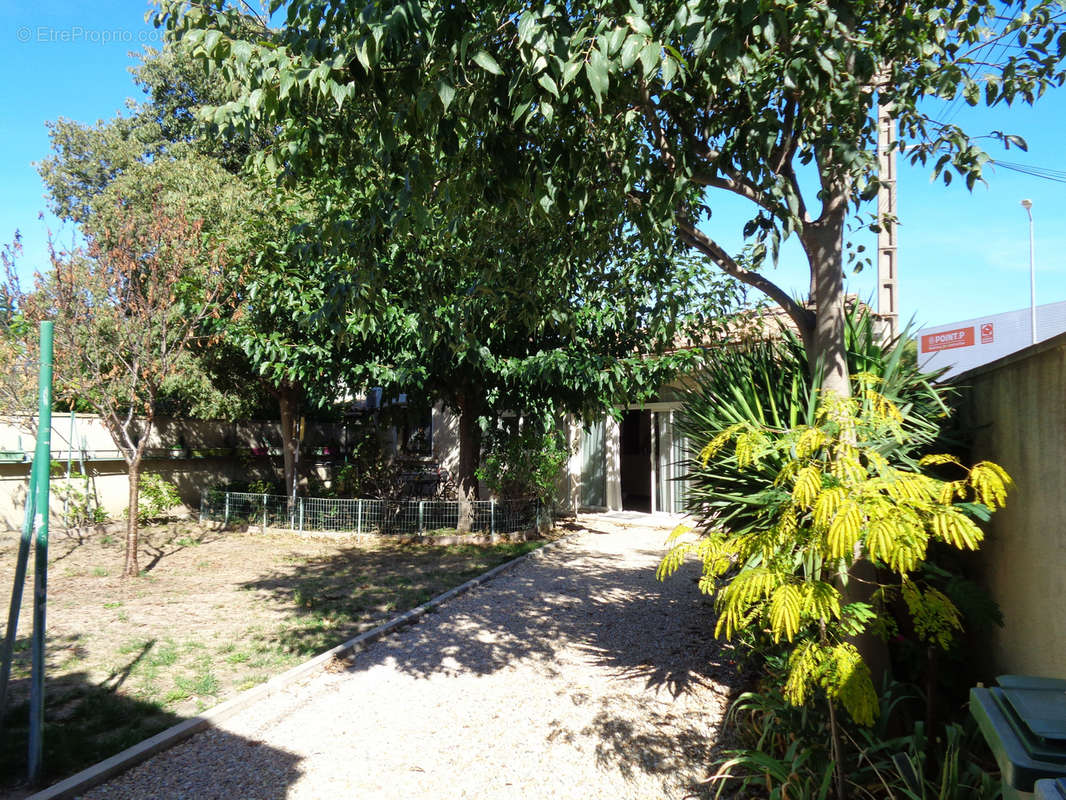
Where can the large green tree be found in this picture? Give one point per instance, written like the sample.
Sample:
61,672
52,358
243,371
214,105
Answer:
484,307
485,321
573,107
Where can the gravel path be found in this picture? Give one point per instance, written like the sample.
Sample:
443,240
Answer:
574,675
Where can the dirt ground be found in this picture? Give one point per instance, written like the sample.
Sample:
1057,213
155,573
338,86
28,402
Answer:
213,613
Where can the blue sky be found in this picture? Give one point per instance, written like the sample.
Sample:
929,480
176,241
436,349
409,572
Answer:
962,254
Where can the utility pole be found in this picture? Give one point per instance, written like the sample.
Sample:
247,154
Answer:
887,307
1028,206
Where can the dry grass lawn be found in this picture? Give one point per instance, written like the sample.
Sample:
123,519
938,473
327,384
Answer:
214,612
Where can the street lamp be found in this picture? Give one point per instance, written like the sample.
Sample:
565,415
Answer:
1027,204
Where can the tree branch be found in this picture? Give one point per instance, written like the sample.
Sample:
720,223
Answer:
696,239
656,127
784,166
739,187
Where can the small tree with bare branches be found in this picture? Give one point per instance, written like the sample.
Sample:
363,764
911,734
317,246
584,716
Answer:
126,307
18,366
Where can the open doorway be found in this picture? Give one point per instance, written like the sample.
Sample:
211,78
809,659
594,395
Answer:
635,444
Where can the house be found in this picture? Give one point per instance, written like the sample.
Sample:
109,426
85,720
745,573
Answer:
633,460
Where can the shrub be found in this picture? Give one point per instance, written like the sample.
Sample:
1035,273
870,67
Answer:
785,751
836,499
262,486
157,497
791,490
372,471
767,384
524,464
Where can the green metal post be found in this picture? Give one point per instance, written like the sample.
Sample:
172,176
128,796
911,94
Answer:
492,517
40,525
421,516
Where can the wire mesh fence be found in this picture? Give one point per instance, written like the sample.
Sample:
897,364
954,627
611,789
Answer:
328,514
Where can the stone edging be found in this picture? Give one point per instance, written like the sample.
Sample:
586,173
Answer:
120,762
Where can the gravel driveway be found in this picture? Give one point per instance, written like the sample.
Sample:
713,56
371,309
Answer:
574,675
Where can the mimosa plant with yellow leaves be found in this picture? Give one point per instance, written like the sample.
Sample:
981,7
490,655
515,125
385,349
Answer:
835,498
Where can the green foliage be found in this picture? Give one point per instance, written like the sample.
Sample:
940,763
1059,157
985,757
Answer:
524,464
371,471
196,391
158,497
485,311
834,498
767,383
641,113
784,752
672,94
263,487
158,156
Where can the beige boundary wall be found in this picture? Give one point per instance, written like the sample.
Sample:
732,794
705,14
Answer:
193,454
1016,409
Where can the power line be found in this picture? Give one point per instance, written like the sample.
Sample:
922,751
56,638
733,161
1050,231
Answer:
1045,173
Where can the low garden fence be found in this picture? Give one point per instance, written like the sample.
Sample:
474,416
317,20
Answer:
342,515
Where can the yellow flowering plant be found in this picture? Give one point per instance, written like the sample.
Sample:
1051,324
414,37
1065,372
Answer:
835,499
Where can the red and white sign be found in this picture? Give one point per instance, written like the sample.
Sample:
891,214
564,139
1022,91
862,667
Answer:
948,340
987,333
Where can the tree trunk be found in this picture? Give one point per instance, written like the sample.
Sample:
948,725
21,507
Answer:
132,568
826,354
469,460
289,406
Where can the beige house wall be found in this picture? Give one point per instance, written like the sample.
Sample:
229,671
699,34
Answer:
445,436
1016,407
242,451
108,484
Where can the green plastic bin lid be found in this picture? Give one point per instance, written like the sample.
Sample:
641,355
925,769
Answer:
1023,757
1030,682
1038,702
1050,789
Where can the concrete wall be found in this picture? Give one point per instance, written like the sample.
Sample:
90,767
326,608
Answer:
193,454
87,436
108,485
1016,408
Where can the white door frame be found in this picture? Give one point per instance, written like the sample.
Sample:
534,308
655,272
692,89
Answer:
614,449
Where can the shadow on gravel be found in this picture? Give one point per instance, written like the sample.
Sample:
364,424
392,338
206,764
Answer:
223,767
87,721
593,601
600,606
632,749
598,603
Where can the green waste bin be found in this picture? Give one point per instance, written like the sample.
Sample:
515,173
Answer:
1048,789
1023,719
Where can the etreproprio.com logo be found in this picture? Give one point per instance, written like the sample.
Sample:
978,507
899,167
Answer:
78,34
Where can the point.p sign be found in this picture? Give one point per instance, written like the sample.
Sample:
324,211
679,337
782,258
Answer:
988,332
948,340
